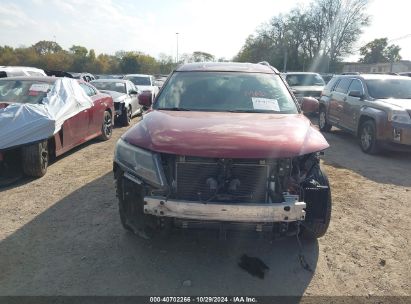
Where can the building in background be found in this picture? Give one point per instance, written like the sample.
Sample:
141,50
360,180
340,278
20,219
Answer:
383,67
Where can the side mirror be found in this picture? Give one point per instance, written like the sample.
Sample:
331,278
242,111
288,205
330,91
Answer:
356,94
145,99
132,92
309,105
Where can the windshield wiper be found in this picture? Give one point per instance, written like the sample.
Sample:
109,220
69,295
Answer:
174,109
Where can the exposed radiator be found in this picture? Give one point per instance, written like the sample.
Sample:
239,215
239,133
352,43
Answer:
192,179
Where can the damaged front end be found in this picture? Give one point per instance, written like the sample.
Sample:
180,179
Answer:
264,195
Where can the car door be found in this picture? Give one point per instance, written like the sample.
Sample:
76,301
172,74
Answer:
352,105
337,98
75,129
96,111
133,97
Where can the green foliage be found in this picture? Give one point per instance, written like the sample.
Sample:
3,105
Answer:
314,38
48,55
378,50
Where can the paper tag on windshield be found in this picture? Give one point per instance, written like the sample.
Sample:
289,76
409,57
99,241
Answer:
39,87
265,104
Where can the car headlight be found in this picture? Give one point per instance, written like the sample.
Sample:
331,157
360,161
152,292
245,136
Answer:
141,163
399,117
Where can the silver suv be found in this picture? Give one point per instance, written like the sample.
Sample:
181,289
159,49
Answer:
376,108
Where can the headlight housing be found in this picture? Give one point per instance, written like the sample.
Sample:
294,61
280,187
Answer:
399,117
140,163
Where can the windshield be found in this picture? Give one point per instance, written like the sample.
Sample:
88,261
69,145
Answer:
139,80
295,80
117,86
226,91
23,91
389,88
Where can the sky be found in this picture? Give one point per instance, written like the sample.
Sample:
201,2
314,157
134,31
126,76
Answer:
219,27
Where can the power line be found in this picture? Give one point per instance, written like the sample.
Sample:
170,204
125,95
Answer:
399,38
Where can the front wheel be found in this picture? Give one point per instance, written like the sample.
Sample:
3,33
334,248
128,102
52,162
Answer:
368,137
107,126
322,121
317,226
35,159
126,115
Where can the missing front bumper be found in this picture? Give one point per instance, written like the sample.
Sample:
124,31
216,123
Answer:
249,213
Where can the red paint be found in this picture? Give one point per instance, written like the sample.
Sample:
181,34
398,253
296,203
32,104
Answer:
84,126
226,135
3,105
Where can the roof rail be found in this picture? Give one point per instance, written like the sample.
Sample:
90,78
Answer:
265,63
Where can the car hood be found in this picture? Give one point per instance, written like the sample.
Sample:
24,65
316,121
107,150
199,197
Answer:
397,103
307,88
226,135
117,96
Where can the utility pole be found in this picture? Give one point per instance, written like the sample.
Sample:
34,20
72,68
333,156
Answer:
285,61
177,48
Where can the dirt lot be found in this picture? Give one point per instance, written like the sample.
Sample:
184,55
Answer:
61,235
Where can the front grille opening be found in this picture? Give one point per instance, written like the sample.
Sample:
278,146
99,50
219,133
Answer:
238,182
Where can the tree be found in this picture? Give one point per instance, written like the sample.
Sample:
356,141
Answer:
46,47
392,53
378,50
199,56
129,63
315,38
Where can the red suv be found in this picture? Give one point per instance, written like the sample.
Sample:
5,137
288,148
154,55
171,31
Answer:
224,146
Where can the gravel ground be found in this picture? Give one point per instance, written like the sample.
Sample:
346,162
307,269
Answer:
61,235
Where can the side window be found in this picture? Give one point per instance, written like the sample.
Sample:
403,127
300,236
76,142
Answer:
356,86
331,84
131,87
89,91
343,85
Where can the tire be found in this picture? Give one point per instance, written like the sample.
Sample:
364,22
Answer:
107,126
35,159
322,121
317,229
368,137
125,118
131,208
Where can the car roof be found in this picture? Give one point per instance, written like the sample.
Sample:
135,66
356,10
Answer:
227,67
142,75
111,80
12,67
301,73
372,76
40,78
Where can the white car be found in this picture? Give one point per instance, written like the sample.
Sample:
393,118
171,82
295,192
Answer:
125,97
16,71
143,83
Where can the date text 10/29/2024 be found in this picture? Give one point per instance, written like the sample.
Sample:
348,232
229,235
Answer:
203,300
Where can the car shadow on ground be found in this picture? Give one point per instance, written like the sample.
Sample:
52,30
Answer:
388,167
78,247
